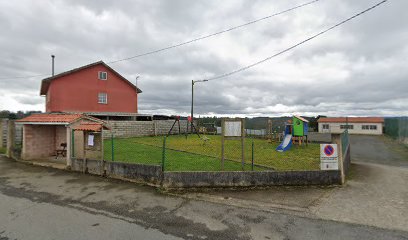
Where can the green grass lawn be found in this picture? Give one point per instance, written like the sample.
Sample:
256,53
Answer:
193,154
2,150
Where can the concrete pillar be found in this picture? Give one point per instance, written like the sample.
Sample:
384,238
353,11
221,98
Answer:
3,132
154,127
24,144
11,128
336,138
69,146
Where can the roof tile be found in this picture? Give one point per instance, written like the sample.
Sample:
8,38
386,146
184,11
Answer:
96,127
51,118
352,120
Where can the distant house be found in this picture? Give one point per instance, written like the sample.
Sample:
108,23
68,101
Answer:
94,89
355,125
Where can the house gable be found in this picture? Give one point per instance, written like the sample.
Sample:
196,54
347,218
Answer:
81,90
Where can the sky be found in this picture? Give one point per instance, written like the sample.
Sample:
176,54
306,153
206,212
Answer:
357,69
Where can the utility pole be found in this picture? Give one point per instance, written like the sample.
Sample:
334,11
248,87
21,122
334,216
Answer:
192,101
192,105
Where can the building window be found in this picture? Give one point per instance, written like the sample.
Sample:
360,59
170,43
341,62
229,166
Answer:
369,127
326,126
346,127
103,75
103,98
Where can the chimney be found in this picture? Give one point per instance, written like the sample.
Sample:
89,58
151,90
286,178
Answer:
53,57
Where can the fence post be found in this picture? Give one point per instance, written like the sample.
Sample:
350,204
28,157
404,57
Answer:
113,148
164,153
73,143
252,165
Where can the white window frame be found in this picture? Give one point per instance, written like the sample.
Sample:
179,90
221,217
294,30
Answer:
347,126
102,98
326,126
101,74
373,127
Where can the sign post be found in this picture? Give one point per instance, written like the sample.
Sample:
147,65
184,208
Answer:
329,158
233,129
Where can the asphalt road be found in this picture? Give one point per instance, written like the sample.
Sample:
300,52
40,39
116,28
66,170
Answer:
42,203
379,150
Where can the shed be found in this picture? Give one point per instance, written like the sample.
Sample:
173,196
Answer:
49,136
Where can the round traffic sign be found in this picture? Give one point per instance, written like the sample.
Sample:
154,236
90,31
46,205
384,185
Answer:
328,150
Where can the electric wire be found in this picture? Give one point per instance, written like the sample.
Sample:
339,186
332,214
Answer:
213,34
296,45
189,41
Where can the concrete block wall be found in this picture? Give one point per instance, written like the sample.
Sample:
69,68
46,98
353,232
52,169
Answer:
130,128
154,175
60,136
38,142
18,134
134,172
3,132
246,179
18,138
162,127
143,128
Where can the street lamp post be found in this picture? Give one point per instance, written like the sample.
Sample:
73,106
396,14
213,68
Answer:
192,101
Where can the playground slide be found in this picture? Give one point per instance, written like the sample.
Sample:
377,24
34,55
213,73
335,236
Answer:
286,144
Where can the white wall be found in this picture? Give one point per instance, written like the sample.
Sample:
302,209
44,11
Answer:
357,129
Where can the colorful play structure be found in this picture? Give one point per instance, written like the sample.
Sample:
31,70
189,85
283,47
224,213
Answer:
295,133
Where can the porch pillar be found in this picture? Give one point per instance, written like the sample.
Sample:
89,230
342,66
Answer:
69,146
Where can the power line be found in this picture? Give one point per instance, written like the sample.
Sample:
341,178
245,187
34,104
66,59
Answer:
31,76
186,42
213,34
296,45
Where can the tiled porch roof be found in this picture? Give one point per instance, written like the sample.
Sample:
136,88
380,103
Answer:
95,127
50,118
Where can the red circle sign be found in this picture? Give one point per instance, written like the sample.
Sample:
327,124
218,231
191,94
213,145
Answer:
328,150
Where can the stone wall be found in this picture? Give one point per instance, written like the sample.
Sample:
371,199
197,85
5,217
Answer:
143,128
246,179
153,175
118,170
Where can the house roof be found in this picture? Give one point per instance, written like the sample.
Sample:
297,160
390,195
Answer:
59,119
95,127
351,120
51,118
45,83
304,120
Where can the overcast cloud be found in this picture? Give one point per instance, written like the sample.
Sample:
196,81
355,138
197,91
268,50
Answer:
358,69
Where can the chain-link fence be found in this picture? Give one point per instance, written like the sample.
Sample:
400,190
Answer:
397,128
143,150
202,152
344,141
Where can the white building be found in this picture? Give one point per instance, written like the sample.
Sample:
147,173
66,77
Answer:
355,125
